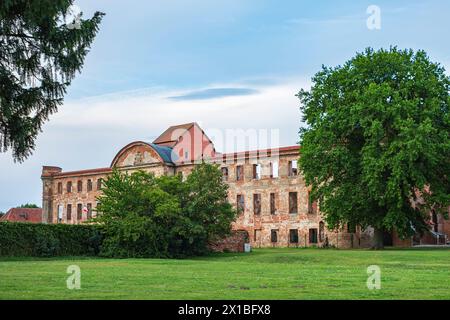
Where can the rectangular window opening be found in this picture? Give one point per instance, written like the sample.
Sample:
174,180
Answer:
293,207
240,203
293,236
239,173
293,169
79,211
273,208
313,235
224,174
274,235
256,171
89,210
274,169
312,205
257,203
69,212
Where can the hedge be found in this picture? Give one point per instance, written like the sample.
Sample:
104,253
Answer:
49,240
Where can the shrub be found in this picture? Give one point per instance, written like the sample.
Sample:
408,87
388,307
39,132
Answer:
48,240
148,216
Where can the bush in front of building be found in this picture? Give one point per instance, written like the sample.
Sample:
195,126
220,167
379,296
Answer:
164,217
49,240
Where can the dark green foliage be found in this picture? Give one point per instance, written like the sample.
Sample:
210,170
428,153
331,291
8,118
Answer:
29,205
145,216
378,130
48,240
39,57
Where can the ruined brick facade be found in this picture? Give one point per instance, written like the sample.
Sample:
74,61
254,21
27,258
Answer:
274,204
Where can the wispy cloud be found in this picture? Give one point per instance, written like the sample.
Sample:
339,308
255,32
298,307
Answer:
214,93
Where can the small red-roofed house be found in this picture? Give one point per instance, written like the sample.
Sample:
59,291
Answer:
33,215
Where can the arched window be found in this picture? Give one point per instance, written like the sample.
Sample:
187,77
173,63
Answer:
89,185
69,187
80,186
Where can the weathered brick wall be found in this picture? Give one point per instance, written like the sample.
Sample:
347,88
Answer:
184,170
141,156
74,198
444,226
233,243
259,226
397,241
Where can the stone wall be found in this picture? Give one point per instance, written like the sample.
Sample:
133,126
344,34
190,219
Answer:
266,175
233,243
293,229
306,222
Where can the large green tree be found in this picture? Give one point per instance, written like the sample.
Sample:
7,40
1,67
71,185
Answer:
39,56
377,138
148,216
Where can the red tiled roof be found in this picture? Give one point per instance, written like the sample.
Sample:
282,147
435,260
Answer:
219,156
255,153
83,172
33,215
166,137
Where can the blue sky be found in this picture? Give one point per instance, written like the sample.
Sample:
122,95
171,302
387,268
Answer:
196,43
225,64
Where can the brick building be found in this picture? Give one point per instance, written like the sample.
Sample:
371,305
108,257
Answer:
265,184
33,215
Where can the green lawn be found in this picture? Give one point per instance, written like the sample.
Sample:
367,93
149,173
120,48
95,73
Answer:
262,274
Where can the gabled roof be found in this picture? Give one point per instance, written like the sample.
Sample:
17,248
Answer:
23,215
167,138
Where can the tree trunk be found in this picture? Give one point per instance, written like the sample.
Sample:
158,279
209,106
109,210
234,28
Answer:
377,242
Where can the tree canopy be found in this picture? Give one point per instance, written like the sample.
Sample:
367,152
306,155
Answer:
376,145
148,216
29,205
39,56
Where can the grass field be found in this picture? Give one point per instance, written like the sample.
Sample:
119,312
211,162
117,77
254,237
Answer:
262,274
